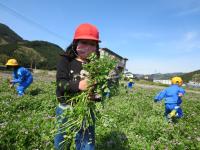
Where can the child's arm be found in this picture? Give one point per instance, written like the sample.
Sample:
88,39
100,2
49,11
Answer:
19,78
181,92
160,96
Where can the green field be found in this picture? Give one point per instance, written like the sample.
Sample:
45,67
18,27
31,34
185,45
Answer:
129,122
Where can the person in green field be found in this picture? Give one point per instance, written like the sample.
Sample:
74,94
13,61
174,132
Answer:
172,96
129,86
70,82
21,76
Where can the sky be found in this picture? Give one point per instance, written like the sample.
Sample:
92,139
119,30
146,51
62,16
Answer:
157,36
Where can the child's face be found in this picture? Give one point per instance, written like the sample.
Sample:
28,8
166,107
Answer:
85,48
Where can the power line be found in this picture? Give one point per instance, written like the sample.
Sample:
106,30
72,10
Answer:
17,14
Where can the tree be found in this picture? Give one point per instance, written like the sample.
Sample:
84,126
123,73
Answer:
28,56
3,58
196,78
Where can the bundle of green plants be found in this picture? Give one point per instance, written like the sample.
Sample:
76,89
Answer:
84,105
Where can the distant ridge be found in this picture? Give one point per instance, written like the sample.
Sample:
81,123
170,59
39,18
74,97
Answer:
188,76
39,54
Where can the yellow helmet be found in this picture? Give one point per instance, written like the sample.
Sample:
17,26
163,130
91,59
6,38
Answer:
177,80
131,80
12,62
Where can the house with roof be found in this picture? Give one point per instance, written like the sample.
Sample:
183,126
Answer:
107,52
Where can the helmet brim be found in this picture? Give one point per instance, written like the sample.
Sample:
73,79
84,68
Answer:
87,38
11,65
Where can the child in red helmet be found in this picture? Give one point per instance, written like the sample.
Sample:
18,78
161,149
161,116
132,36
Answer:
69,81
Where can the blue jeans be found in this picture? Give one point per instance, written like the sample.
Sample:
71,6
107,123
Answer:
83,140
170,107
22,86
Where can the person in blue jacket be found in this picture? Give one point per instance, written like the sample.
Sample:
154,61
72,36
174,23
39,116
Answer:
21,75
129,86
172,96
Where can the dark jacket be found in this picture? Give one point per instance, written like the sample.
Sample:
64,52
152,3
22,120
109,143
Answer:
67,78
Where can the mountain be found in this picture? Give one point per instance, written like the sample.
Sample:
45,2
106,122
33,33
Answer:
7,35
165,76
188,76
31,54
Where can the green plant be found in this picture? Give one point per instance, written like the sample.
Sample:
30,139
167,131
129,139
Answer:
129,121
84,103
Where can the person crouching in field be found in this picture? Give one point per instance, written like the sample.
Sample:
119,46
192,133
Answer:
70,82
130,86
172,96
21,75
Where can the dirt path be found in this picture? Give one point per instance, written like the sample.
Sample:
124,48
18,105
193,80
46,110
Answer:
160,87
47,77
5,75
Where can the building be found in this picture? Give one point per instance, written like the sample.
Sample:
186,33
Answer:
193,84
162,81
107,52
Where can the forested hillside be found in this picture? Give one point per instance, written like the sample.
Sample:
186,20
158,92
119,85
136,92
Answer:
31,54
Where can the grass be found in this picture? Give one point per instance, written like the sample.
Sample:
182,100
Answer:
130,121
140,123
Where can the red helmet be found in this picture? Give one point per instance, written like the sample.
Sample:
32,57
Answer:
86,31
